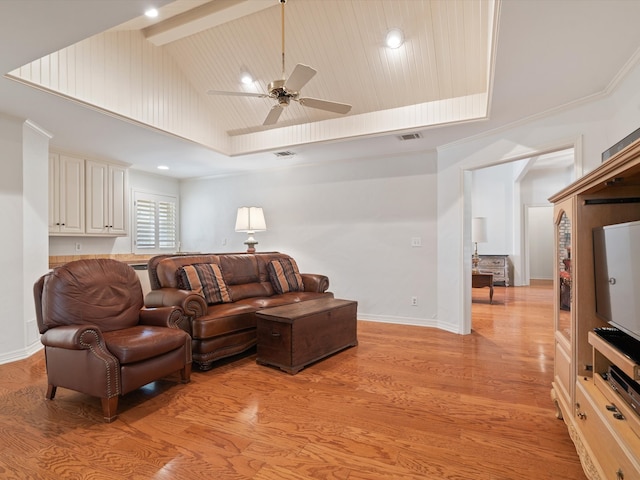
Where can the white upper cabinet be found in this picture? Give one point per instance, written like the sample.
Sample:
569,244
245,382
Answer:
87,197
106,193
66,195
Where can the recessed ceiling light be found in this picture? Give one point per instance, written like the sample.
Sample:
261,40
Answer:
246,78
151,13
394,38
163,167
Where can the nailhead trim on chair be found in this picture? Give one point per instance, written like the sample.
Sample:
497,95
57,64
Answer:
105,357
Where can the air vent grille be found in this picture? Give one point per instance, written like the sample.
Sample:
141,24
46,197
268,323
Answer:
410,136
285,153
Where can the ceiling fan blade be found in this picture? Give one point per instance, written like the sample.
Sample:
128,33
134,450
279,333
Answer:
325,105
273,115
237,94
299,77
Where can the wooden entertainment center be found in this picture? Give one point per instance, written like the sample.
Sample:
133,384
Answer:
604,428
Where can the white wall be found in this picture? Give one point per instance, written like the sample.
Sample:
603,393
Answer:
23,214
352,221
492,198
138,180
539,220
594,126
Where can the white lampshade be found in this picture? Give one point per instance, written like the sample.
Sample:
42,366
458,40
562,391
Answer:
250,219
479,230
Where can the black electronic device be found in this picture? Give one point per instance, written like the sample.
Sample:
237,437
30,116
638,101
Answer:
625,344
626,387
625,142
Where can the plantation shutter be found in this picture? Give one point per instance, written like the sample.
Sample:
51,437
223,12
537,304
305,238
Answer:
166,224
145,224
156,222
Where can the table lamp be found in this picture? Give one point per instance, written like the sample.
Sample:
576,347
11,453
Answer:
250,220
478,235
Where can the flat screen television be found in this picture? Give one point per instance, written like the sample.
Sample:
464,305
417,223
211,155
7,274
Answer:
616,252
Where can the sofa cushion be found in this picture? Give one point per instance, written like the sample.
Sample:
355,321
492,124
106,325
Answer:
284,275
223,319
204,279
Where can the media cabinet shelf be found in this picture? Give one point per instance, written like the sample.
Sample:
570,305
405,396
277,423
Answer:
615,357
609,447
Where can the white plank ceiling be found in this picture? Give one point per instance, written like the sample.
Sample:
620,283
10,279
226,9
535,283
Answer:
443,68
528,57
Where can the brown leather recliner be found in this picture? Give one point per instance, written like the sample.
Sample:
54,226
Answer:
99,339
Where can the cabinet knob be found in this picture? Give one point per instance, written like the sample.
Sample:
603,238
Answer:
619,474
581,415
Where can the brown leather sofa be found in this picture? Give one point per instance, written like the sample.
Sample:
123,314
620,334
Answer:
227,325
98,338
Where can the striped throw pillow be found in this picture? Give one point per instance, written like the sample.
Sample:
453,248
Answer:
284,275
204,279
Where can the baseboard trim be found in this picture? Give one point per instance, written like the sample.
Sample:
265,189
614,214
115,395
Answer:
20,354
416,322
540,282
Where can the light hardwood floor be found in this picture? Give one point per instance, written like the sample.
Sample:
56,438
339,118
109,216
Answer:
407,403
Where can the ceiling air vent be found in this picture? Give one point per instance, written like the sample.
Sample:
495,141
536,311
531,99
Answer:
285,153
410,136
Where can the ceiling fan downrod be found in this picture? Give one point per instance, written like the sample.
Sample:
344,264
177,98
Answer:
282,2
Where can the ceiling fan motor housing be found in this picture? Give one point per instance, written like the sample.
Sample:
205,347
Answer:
278,91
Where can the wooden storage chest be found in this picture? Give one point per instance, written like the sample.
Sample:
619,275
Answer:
291,337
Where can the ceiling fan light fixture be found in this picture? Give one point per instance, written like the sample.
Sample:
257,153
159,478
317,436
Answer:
394,38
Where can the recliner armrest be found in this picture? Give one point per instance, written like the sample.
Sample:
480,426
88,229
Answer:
171,317
72,337
193,304
314,282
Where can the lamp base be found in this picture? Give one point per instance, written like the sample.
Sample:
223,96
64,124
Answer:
475,260
251,243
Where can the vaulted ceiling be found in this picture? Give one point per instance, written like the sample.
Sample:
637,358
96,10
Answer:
466,67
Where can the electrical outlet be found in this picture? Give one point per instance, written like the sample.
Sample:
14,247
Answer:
78,246
414,301
416,241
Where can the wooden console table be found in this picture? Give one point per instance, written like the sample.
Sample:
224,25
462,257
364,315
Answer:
480,280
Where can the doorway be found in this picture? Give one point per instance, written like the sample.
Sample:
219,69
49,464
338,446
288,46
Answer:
538,249
513,197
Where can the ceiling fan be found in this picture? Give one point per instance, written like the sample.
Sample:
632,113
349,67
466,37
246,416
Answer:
288,89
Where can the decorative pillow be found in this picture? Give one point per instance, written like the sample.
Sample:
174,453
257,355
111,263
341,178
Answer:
284,275
204,279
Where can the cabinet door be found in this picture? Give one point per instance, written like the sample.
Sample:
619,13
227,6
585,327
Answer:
71,195
117,202
97,197
106,199
54,193
564,366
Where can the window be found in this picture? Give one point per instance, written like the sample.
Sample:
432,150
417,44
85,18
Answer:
156,223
